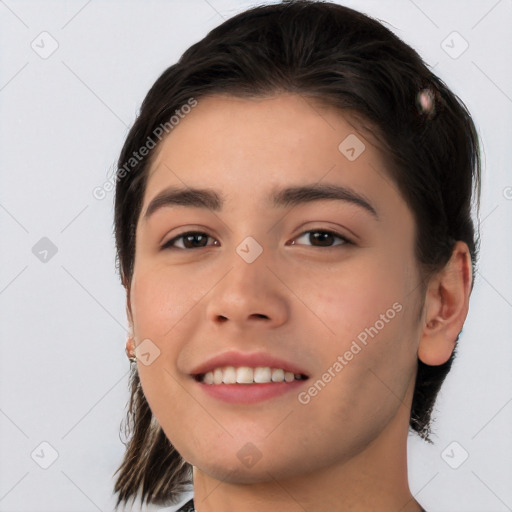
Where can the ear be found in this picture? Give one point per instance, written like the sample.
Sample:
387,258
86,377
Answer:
130,342
446,307
129,315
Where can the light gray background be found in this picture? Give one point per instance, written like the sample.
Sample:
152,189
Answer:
62,322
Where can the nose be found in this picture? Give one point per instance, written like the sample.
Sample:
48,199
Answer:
249,296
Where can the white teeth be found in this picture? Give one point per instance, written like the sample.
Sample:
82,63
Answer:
229,375
262,375
247,375
277,375
244,375
217,376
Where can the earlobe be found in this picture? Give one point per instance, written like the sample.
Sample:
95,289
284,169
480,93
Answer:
446,307
130,349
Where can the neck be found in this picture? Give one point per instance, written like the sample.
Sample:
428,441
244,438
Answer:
374,480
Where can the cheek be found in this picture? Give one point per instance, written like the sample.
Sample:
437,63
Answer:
351,300
369,312
160,304
158,311
161,298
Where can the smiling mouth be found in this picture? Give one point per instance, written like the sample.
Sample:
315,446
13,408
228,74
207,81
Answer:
247,375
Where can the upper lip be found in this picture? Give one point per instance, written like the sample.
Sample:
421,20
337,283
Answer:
252,360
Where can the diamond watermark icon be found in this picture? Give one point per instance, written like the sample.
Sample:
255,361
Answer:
249,249
454,455
44,250
351,147
45,45
454,45
249,455
44,455
146,352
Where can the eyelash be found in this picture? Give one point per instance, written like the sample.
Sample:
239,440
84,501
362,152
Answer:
169,244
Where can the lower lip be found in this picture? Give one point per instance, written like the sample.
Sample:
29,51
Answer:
249,393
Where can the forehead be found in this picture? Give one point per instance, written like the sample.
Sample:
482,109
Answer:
251,147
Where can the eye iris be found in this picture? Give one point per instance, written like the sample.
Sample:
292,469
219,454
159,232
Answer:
194,236
323,237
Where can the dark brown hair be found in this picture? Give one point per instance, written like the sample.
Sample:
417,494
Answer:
345,60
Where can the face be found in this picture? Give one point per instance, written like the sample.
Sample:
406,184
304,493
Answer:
316,288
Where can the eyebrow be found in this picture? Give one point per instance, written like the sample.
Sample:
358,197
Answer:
282,198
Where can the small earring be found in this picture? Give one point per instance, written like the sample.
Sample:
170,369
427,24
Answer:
129,350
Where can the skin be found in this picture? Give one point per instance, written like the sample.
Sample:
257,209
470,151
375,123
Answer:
345,450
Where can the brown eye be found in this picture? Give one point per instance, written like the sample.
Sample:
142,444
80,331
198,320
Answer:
323,238
189,240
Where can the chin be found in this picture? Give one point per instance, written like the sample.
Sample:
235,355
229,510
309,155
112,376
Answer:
239,475
230,467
